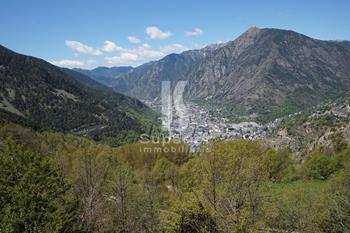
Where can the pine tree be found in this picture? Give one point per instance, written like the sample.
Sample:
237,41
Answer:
33,194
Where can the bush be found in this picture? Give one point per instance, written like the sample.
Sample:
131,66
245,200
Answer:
320,166
192,217
278,164
335,207
338,142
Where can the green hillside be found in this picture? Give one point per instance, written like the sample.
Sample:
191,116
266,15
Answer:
37,94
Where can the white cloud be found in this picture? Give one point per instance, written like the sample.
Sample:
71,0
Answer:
133,56
145,45
134,39
79,47
122,59
118,55
195,32
173,48
110,46
155,33
144,53
147,53
72,63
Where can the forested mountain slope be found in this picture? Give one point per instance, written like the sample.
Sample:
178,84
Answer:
40,95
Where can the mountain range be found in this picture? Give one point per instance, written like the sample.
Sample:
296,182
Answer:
105,75
264,72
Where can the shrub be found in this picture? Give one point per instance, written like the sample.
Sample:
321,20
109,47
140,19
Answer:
320,166
278,164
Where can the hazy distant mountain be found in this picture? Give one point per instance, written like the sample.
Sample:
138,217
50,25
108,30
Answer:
267,71
344,43
35,93
145,81
105,75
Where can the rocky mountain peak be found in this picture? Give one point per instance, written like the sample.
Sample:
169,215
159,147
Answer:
250,34
252,30
245,40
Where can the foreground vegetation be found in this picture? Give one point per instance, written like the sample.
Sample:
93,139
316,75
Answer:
54,182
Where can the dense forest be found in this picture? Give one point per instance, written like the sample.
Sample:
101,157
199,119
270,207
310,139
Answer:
39,95
55,182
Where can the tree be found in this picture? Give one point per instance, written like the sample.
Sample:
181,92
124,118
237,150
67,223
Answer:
90,173
232,177
33,195
335,206
292,207
193,218
320,166
132,207
338,142
278,164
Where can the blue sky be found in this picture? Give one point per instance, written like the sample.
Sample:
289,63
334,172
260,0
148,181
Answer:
87,34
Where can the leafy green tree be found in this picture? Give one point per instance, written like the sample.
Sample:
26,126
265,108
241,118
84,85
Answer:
278,164
338,142
130,205
194,218
33,194
335,206
188,215
342,158
232,177
89,175
291,207
320,166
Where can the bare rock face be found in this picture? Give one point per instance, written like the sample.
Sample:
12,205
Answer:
269,72
267,68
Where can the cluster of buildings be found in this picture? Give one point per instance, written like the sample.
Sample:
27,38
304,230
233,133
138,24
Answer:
197,126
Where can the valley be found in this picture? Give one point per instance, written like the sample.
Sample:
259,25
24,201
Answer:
184,118
198,126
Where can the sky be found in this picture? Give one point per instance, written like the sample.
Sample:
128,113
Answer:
87,34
